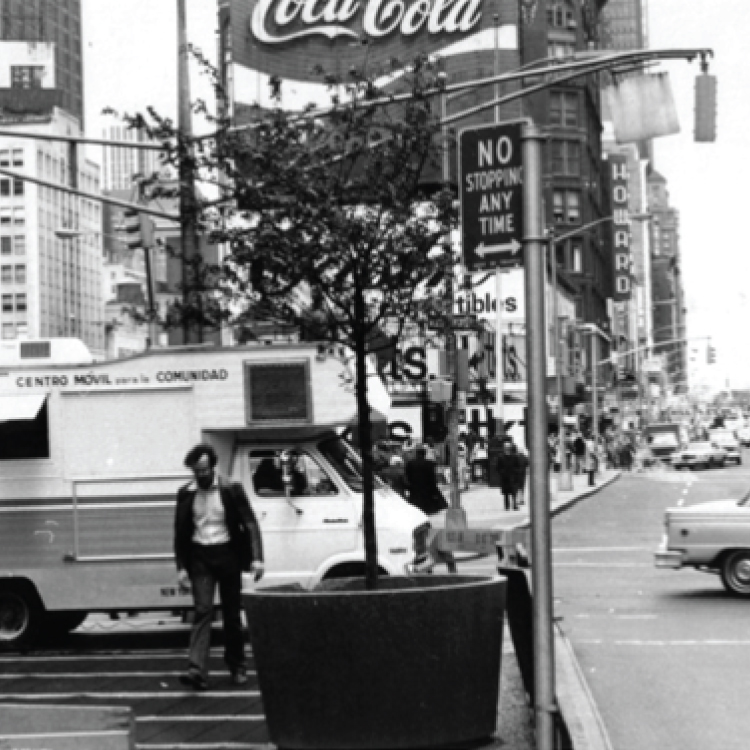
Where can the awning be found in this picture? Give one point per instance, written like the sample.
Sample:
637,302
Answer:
23,407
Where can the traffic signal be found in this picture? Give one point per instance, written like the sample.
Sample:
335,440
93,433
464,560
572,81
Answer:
711,355
705,108
434,422
139,229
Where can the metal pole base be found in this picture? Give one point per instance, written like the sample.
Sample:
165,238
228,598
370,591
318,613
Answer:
564,481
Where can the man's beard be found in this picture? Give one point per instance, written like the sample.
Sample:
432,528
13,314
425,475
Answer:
205,482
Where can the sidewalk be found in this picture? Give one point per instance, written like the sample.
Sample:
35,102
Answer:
515,724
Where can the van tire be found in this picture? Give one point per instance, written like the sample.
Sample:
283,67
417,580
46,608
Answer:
64,621
21,615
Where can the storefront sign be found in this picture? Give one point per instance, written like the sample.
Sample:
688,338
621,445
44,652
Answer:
621,228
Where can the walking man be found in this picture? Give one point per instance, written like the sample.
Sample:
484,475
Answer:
421,481
216,538
507,469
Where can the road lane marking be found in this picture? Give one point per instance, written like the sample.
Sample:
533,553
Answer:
602,565
203,746
601,549
711,643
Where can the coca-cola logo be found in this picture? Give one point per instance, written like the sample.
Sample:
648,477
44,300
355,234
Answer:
280,21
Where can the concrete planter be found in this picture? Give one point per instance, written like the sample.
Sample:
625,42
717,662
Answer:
415,664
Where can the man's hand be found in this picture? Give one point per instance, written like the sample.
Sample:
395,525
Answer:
257,569
183,581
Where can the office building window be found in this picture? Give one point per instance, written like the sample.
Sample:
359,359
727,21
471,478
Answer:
6,244
9,330
557,49
7,303
6,274
566,157
563,109
4,188
26,76
20,275
17,157
19,244
6,215
19,216
18,188
566,206
4,158
577,257
20,303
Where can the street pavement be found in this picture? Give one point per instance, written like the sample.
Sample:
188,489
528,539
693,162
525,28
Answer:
515,725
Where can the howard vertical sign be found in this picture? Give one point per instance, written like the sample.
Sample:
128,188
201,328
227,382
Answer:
491,193
621,228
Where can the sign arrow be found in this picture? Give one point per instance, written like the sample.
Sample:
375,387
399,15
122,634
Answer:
511,247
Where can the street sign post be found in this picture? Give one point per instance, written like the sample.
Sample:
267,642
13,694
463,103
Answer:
491,195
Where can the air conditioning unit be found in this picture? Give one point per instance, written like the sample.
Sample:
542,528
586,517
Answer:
572,23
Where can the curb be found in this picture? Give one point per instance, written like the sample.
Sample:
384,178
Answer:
576,704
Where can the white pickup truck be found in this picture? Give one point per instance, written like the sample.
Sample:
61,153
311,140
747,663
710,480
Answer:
713,537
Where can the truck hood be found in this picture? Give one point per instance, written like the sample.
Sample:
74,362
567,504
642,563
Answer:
391,508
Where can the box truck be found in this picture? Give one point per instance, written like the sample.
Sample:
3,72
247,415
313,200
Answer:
92,456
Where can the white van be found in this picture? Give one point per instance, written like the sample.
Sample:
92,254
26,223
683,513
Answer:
91,457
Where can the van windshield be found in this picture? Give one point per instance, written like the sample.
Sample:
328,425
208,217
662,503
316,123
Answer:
346,461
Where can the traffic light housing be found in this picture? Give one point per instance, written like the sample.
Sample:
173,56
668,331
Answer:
434,422
711,355
705,108
138,228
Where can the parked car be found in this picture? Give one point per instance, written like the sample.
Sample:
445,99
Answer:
727,439
703,455
713,537
743,435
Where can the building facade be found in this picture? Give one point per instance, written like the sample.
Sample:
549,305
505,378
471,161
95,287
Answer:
122,166
55,22
50,242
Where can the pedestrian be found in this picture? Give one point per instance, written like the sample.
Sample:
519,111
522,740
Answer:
523,465
216,538
579,452
421,483
591,460
627,454
507,470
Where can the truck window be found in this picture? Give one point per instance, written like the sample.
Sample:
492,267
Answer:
24,427
345,460
308,476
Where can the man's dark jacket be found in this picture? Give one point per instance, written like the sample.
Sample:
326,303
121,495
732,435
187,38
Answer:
244,532
421,482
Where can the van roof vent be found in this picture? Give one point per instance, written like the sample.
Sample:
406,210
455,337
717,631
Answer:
35,350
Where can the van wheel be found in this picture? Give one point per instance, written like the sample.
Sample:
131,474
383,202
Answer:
20,616
64,621
735,572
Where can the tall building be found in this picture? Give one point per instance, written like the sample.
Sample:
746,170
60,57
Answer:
50,242
121,165
56,22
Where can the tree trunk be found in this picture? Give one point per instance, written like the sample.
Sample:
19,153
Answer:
365,442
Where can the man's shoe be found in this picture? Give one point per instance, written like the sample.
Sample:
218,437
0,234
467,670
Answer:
193,680
239,678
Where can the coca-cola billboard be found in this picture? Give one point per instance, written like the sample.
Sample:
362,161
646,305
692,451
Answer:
289,38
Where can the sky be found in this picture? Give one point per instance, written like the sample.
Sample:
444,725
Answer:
130,59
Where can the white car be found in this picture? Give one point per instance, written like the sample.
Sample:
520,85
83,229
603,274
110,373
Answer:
727,440
743,435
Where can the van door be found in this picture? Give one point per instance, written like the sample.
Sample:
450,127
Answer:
317,520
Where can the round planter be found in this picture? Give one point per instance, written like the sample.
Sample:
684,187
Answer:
415,664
